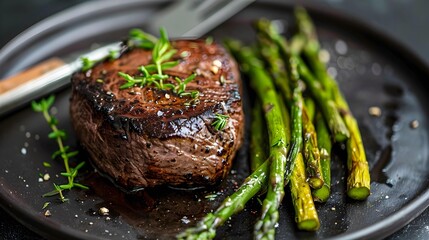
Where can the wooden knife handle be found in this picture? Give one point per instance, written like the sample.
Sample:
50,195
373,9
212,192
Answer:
38,70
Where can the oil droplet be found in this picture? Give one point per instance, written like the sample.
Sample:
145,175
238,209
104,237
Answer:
376,69
341,47
333,72
324,55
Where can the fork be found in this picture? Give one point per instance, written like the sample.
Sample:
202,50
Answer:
185,18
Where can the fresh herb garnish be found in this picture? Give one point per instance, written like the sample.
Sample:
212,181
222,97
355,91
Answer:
211,197
220,121
152,74
113,54
180,89
87,63
138,38
58,135
46,204
46,164
209,40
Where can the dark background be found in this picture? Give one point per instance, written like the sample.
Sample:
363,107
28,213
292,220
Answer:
405,20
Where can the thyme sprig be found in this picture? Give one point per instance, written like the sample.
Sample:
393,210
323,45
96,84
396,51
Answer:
220,121
87,63
152,74
140,39
180,89
161,53
64,152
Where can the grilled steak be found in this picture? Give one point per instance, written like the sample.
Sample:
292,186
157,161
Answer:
143,136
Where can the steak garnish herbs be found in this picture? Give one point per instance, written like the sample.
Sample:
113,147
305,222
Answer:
152,74
220,121
64,152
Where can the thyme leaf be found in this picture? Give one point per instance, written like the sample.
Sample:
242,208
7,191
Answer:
87,63
220,121
140,39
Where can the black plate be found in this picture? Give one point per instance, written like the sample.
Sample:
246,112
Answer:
374,71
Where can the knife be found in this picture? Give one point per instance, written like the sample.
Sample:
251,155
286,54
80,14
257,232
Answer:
185,18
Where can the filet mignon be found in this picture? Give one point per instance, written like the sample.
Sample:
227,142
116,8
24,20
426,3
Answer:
144,137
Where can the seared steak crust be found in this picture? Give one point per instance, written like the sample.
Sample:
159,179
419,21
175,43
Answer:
144,137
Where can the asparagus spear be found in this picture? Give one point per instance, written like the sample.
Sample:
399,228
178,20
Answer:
358,181
301,124
311,150
311,154
276,66
325,146
262,84
324,143
271,54
305,211
306,215
312,46
327,105
310,105
257,137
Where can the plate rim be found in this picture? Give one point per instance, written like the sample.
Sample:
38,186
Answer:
384,228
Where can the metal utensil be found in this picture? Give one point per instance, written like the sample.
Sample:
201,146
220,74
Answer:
186,18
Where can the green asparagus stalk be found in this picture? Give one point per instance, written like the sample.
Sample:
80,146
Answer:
328,107
300,125
276,66
310,105
305,212
325,146
335,122
311,150
258,153
358,181
312,46
262,84
206,228
306,215
311,153
271,54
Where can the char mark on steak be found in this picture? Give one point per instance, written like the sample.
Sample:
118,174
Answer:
143,136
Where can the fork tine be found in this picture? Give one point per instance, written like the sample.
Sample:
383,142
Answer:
193,19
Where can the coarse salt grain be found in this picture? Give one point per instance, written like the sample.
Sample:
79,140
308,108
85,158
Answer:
414,124
374,111
47,213
46,177
103,211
